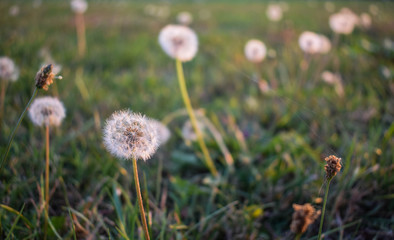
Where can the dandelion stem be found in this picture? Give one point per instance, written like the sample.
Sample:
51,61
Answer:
323,210
186,100
11,137
80,25
141,206
46,179
4,84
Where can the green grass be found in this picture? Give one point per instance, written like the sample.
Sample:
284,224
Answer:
287,132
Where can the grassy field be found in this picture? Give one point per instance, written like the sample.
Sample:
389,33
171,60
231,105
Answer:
278,139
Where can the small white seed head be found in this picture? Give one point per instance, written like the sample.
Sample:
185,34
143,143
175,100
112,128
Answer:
179,42
163,133
274,12
129,135
310,42
47,111
8,70
79,6
255,50
184,18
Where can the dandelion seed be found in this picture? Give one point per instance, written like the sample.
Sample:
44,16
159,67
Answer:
163,133
274,12
303,216
179,42
332,167
47,111
79,6
129,135
255,50
8,70
184,18
342,23
325,44
365,20
44,77
310,42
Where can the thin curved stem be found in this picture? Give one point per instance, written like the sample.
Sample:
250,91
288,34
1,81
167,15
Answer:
12,135
324,209
186,100
46,180
141,206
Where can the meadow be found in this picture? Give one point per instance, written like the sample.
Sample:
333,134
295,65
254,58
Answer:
278,139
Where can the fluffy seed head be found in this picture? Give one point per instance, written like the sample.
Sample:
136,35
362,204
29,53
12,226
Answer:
179,42
129,135
310,42
325,44
365,20
274,12
163,133
332,167
79,6
184,18
343,22
188,132
8,70
255,50
303,216
47,111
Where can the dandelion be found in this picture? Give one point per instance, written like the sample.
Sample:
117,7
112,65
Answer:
184,18
274,12
335,80
188,133
129,135
332,167
43,79
181,43
255,50
47,111
325,44
310,42
163,133
8,70
365,20
342,23
79,7
303,216
14,10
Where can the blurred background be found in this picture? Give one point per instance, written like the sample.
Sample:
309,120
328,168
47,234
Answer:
110,59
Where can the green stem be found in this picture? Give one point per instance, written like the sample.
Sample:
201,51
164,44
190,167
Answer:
186,100
324,209
11,137
140,203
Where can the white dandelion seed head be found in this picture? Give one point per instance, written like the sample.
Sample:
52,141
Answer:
330,77
14,10
163,133
365,20
47,111
343,22
310,42
184,18
179,42
274,12
188,132
129,135
325,44
8,70
79,6
255,50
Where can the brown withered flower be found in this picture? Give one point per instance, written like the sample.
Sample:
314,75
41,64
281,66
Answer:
303,216
45,76
332,167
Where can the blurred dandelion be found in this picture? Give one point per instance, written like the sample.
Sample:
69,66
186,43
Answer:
163,133
184,18
47,111
129,135
365,20
274,12
335,80
181,43
255,50
14,10
310,42
303,216
332,167
9,72
325,44
342,23
79,7
189,134
43,79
